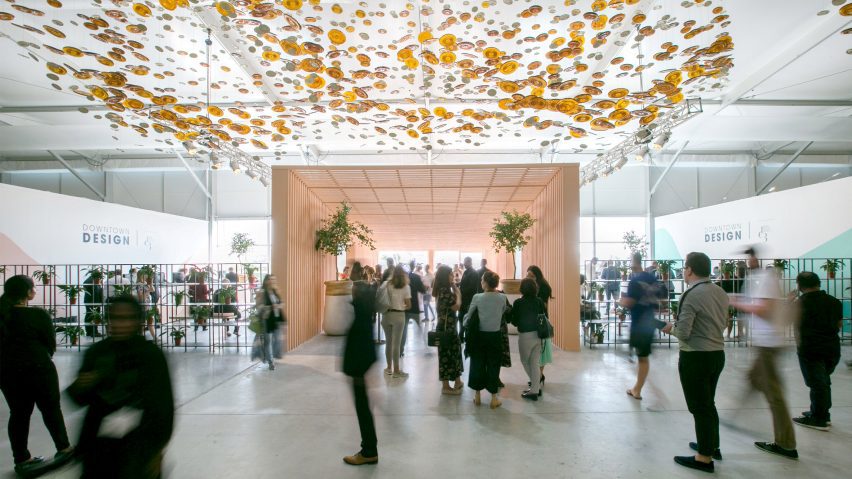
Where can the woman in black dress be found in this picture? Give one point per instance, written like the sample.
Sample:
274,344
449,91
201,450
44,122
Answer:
359,354
27,374
448,299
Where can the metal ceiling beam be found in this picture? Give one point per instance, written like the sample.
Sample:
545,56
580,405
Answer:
668,168
406,104
77,175
200,184
787,164
813,33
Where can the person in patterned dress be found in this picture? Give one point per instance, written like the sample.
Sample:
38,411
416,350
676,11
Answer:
448,300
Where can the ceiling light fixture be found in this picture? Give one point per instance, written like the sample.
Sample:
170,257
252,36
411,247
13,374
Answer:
190,147
215,162
235,165
661,140
636,145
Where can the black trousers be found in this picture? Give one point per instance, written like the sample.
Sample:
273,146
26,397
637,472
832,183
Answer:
699,374
817,373
365,418
24,391
485,358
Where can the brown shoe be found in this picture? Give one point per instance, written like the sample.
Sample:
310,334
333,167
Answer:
360,460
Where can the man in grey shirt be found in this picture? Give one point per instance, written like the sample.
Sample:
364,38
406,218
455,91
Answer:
702,316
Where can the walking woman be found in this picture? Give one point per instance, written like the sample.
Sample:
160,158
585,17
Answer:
393,321
525,312
27,374
448,297
428,279
359,354
486,338
545,294
270,310
144,289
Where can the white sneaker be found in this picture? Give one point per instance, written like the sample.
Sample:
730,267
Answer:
400,374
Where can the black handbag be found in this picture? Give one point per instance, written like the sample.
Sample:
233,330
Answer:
545,329
436,339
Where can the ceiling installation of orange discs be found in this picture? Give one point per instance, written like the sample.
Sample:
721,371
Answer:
387,75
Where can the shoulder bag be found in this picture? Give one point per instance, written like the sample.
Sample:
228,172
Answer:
382,299
545,329
437,339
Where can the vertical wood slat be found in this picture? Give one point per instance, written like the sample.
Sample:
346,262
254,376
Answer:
296,215
554,248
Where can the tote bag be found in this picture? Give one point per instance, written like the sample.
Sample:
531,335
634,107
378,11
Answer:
382,299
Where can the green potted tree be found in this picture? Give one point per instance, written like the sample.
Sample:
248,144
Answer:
635,243
44,275
509,235
250,270
241,243
72,291
664,266
831,266
338,233
73,333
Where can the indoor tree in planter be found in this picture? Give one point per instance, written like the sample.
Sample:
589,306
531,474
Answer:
635,243
509,234
240,244
45,274
831,266
338,233
71,292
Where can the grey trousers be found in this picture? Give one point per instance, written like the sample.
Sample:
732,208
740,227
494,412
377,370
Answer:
529,348
393,323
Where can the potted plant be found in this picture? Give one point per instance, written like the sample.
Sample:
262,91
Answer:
95,316
71,292
635,243
599,336
831,266
45,274
122,289
336,234
97,274
149,271
240,244
250,270
665,268
728,268
201,313
780,264
228,294
73,333
177,335
179,296
509,234
624,270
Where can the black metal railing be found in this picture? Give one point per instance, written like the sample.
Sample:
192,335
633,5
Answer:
605,323
193,306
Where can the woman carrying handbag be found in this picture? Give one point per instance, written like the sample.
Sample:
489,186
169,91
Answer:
450,364
527,312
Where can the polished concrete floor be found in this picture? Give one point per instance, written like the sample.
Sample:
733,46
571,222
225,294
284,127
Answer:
236,418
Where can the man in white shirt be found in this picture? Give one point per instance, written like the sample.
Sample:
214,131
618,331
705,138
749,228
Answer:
763,301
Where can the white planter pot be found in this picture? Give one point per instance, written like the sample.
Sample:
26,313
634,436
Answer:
339,313
512,290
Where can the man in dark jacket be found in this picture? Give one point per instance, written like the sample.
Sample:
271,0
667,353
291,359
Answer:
125,382
469,285
415,283
359,354
818,347
481,271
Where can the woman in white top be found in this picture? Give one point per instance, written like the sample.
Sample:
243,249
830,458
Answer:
393,321
428,279
143,295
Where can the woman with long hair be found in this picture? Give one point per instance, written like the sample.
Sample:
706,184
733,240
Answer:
359,354
27,374
448,298
270,310
393,321
525,313
545,294
486,338
144,288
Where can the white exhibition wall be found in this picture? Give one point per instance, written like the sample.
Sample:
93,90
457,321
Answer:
38,227
808,222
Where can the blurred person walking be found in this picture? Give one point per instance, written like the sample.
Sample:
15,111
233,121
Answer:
428,278
359,354
28,376
484,333
469,285
762,300
612,285
450,363
641,298
125,383
270,310
820,317
698,326
415,284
